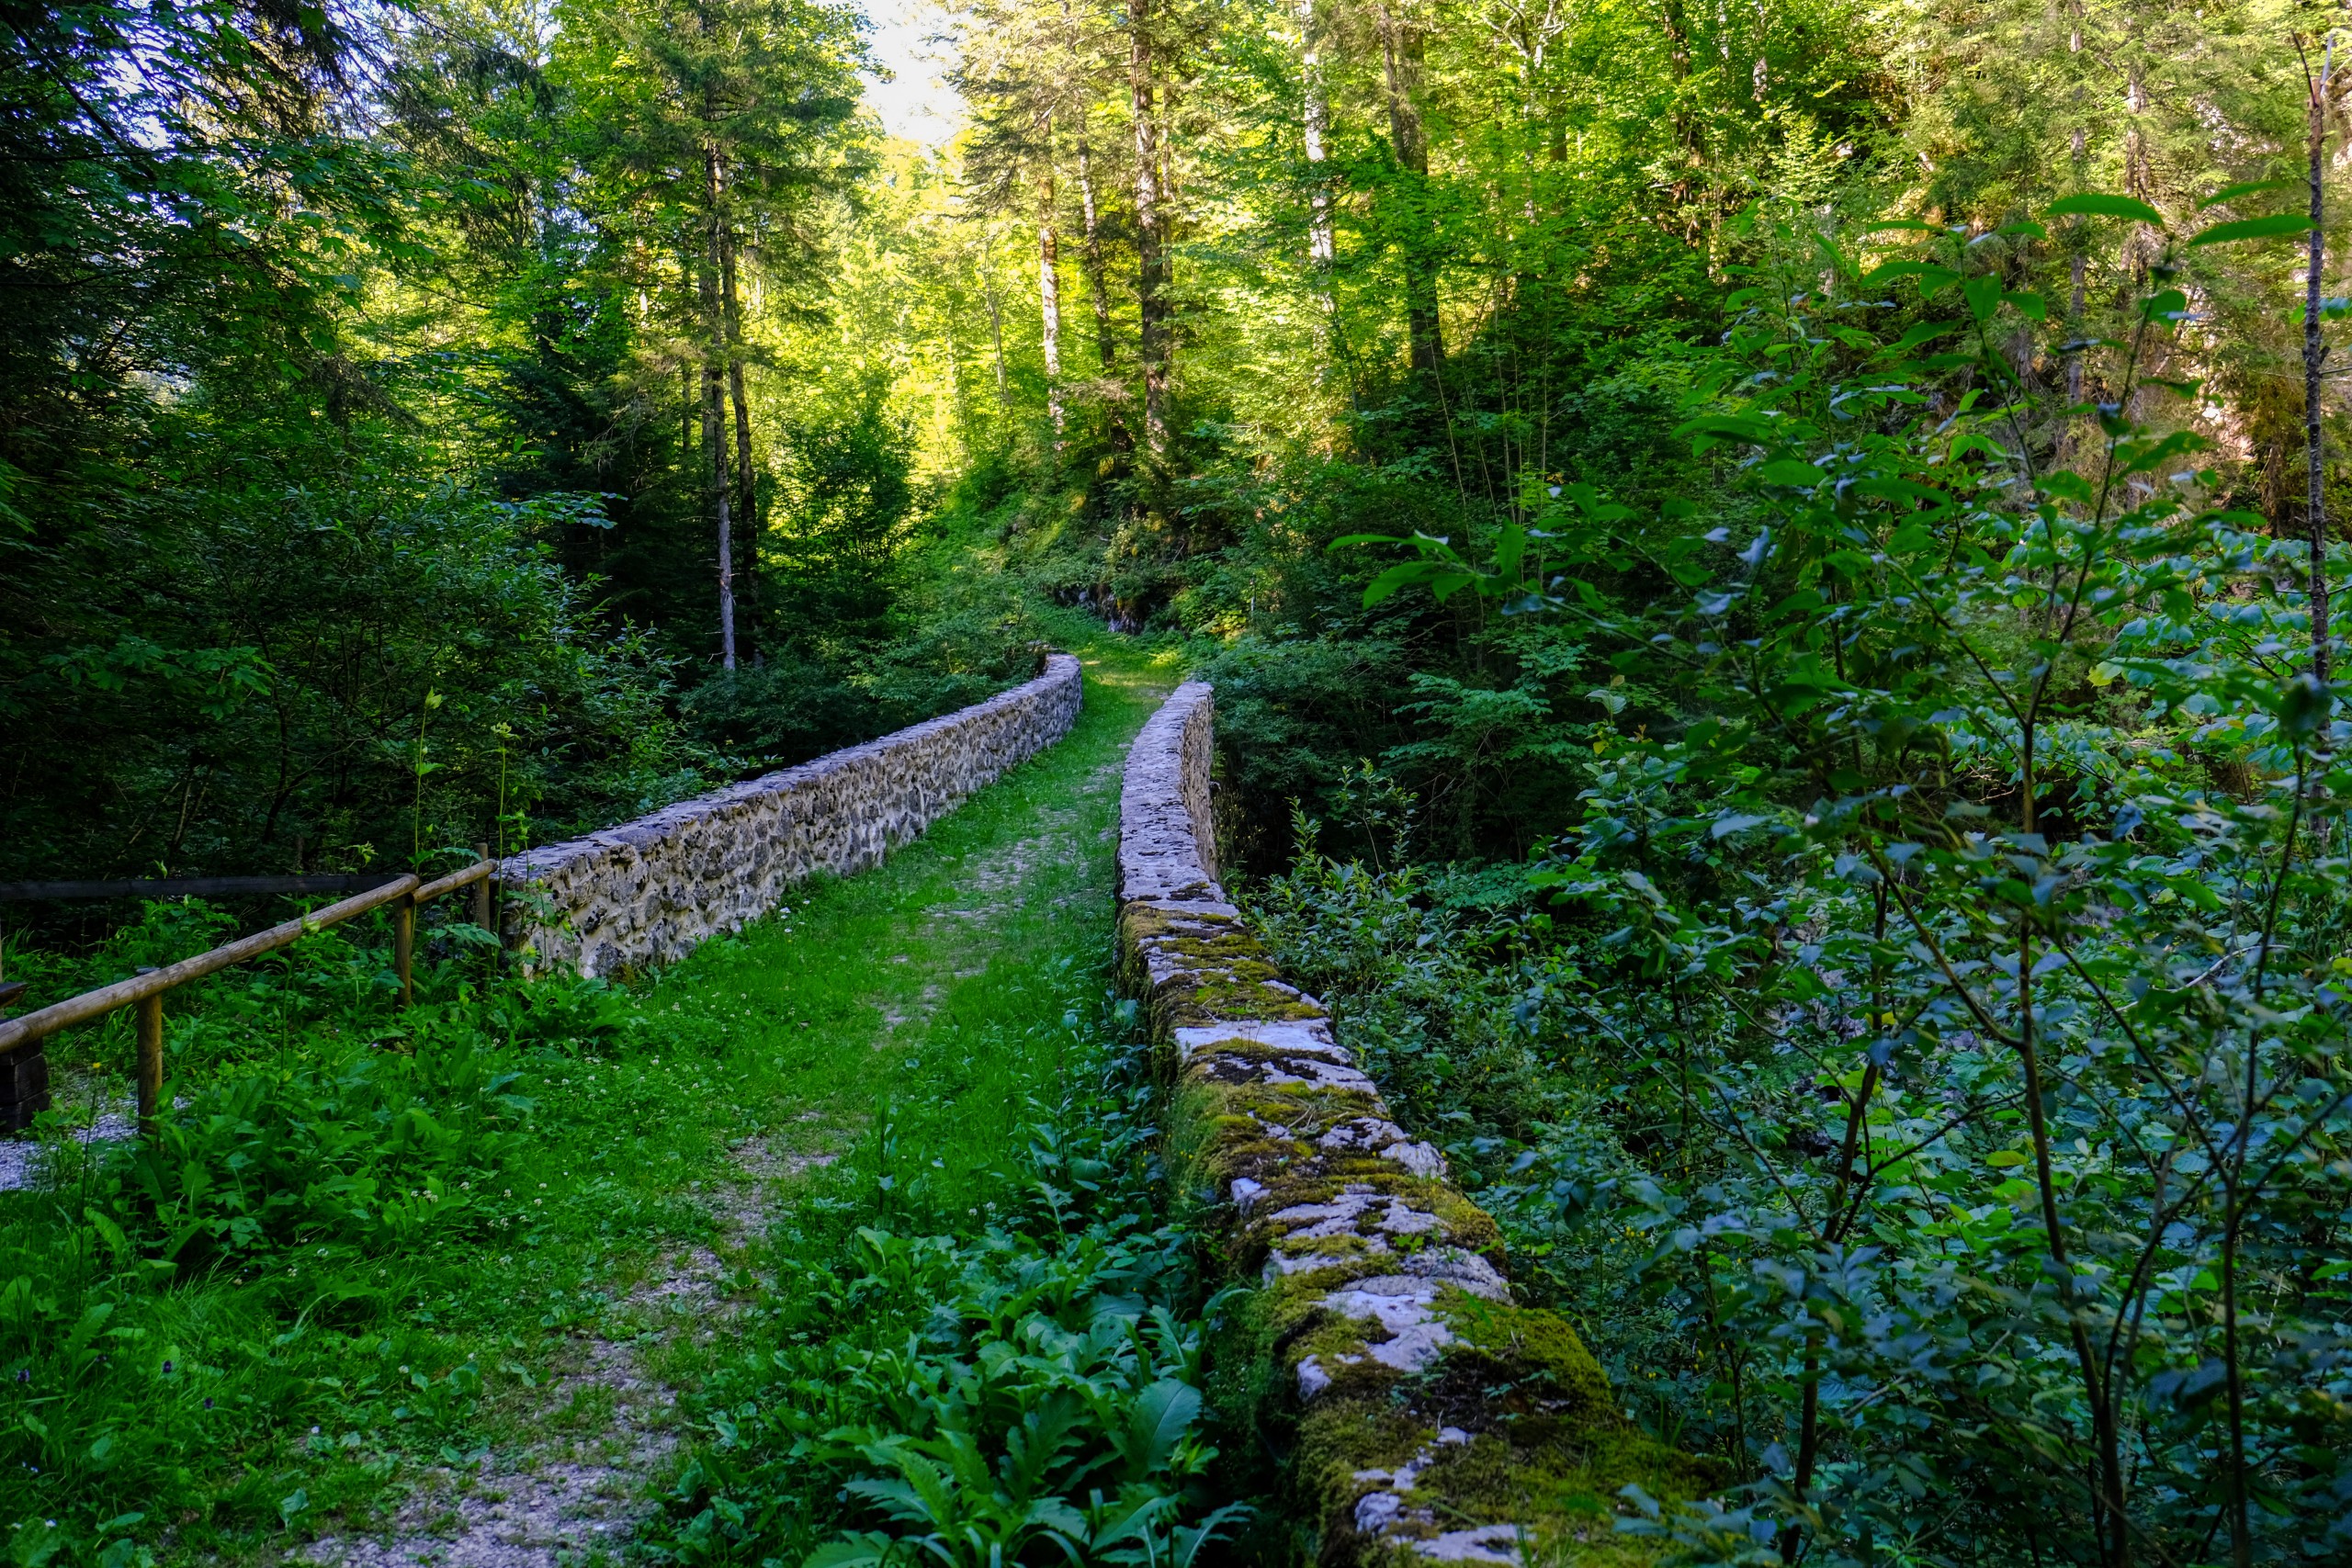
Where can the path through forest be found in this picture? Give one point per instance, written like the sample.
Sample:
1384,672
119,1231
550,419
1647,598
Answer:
864,1001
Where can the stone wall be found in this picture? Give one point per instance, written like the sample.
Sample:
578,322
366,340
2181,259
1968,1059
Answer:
646,891
1428,1415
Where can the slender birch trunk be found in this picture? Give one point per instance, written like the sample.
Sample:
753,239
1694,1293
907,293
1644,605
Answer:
1049,290
996,335
1316,114
1092,252
714,419
2314,359
746,488
1677,55
1151,291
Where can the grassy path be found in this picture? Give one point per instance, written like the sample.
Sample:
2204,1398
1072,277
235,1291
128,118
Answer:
895,1028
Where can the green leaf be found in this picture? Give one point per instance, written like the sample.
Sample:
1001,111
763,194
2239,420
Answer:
2003,1159
1932,278
1984,295
1444,585
2028,304
2269,227
2249,188
1730,427
867,1549
2303,706
2095,204
1902,490
1789,471
1917,334
1163,1414
1347,539
1509,549
1402,575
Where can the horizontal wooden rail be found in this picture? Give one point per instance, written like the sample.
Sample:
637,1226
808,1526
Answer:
20,1037
48,1021
194,886
477,872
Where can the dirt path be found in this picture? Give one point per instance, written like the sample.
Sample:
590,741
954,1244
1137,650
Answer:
825,999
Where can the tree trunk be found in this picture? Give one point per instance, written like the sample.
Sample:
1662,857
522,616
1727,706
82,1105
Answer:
714,418
1678,57
1401,46
996,336
1151,266
1318,116
2314,358
1092,254
747,514
2141,243
1050,292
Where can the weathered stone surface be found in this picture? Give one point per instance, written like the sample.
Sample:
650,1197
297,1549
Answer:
646,891
1381,1285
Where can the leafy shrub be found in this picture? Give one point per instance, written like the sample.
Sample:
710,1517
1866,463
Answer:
1940,1097
1413,983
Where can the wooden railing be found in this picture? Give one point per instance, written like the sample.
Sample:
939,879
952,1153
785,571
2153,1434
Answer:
21,1038
194,886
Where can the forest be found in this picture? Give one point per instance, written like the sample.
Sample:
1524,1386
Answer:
1767,573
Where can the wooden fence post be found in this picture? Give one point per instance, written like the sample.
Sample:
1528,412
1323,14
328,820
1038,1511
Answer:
483,915
404,945
149,1014
23,1073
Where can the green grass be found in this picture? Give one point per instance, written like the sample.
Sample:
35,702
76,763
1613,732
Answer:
583,1232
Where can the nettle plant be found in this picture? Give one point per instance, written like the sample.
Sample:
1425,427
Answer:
1975,920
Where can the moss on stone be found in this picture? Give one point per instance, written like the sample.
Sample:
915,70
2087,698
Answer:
1546,1448
1235,994
1340,1251
1232,948
1337,1436
1563,1486
1307,1108
1141,923
1469,1227
1533,1354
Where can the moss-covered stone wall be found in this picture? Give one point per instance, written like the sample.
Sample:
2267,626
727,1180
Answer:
1428,1415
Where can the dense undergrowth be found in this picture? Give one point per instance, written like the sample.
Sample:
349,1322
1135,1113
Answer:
263,1317
1919,1062
1001,1366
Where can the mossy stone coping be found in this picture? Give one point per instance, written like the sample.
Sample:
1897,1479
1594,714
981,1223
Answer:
1428,1416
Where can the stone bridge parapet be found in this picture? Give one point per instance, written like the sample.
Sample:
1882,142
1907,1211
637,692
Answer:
646,891
1428,1416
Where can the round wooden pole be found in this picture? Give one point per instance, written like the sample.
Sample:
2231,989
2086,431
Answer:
404,946
149,1014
